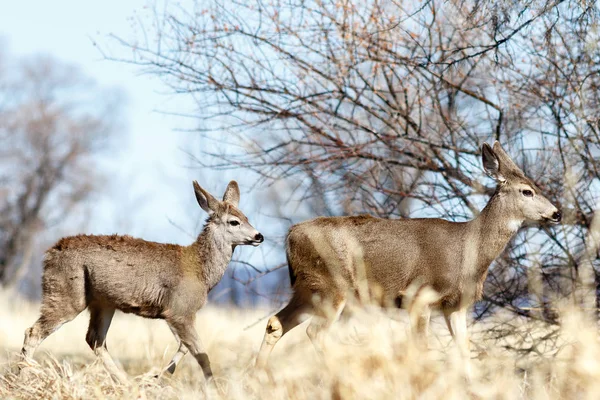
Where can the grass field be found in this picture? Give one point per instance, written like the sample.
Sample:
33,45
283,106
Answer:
367,356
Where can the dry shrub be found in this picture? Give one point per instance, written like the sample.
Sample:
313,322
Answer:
368,354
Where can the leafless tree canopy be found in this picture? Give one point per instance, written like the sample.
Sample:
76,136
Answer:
381,107
52,122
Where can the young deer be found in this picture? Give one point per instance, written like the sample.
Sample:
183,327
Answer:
450,257
152,280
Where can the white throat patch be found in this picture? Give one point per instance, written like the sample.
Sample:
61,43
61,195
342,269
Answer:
514,225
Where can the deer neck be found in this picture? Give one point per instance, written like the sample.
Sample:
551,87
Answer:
215,253
490,232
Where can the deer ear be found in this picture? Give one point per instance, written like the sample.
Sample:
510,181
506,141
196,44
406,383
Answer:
491,163
232,194
205,199
506,163
498,148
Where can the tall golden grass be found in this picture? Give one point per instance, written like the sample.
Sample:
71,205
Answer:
368,355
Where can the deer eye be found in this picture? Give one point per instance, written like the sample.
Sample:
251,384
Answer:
527,193
234,222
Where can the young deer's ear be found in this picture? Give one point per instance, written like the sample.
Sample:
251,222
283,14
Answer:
232,194
499,150
205,199
491,163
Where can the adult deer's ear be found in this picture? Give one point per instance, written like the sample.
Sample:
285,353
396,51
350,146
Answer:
491,163
232,194
507,165
205,199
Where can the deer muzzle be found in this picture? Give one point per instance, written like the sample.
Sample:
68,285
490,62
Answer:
555,218
258,239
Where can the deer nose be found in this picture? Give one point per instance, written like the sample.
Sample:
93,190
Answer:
557,216
259,238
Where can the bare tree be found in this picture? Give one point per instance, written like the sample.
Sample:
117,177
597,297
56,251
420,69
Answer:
53,120
381,106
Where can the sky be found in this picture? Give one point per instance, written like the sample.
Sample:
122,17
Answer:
149,181
148,191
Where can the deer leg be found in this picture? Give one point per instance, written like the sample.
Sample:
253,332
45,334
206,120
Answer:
54,313
447,314
458,321
63,299
281,323
181,351
320,324
424,322
39,331
420,327
100,319
186,332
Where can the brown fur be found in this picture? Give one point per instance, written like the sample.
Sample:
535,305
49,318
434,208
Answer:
330,258
108,242
149,279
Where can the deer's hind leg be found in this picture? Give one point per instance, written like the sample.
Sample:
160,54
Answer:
285,320
327,313
100,319
63,299
47,323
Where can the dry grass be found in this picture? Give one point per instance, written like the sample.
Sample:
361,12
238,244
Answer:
368,355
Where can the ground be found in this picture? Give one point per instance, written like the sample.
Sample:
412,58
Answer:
367,356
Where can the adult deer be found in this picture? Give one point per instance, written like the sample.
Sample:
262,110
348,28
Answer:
152,280
450,257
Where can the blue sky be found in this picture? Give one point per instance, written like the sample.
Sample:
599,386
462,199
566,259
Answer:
149,182
148,192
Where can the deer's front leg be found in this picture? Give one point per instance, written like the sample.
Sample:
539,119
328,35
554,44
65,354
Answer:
181,351
419,324
184,329
458,321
